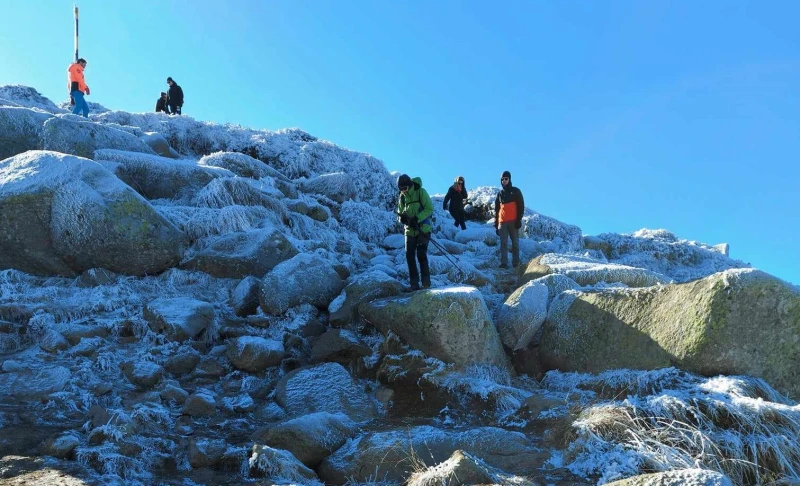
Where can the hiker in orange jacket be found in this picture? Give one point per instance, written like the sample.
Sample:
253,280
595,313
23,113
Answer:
77,87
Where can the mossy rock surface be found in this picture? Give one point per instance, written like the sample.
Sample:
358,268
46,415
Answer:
452,324
733,322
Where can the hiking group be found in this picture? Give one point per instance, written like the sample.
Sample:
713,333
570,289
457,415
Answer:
170,102
415,211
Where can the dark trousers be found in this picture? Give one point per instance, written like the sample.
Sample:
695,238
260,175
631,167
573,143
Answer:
506,230
459,217
417,247
174,109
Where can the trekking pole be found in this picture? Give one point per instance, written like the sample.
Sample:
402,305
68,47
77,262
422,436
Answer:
451,258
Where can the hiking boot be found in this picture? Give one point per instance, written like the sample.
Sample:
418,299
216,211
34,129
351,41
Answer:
504,265
412,288
426,285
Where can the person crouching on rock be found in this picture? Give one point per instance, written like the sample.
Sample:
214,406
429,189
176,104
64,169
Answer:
415,210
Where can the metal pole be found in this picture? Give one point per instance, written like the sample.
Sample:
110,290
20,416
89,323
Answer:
76,32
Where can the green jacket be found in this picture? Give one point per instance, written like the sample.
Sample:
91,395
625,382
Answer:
416,202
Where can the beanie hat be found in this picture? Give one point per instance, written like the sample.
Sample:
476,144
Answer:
403,181
170,79
506,174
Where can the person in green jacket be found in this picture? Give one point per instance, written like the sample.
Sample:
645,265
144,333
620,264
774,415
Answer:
415,210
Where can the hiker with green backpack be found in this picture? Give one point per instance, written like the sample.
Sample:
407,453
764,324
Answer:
415,210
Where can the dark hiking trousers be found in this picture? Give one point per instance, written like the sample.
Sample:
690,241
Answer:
459,217
417,247
506,230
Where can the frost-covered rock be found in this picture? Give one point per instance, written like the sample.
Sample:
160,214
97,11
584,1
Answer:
157,177
159,145
485,235
368,286
244,299
394,242
28,97
280,467
588,271
662,252
239,191
201,403
62,446
327,387
452,324
462,468
20,130
242,165
681,477
338,186
33,385
339,346
311,438
734,322
179,318
143,374
368,222
75,135
205,452
393,455
305,278
522,314
236,255
63,215
552,234
255,354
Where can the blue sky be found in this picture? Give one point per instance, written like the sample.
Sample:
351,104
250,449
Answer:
611,115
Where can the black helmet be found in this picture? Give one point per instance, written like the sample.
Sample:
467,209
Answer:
403,181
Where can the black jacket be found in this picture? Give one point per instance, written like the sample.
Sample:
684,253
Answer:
175,95
456,200
161,105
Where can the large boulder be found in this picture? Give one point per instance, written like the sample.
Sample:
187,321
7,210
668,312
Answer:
588,271
20,130
63,215
311,438
158,144
734,322
327,387
522,314
242,165
338,186
368,286
178,318
77,136
157,177
662,252
255,354
305,278
393,455
452,324
243,253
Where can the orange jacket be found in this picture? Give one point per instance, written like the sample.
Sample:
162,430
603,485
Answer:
75,79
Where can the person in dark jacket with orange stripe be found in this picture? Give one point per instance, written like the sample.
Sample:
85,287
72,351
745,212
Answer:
509,207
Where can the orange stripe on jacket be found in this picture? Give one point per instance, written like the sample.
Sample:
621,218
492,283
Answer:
75,75
508,212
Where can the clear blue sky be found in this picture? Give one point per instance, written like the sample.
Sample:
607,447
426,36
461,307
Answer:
612,115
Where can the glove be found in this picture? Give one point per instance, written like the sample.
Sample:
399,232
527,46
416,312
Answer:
404,219
444,206
87,91
413,222
71,101
497,231
518,224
